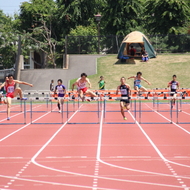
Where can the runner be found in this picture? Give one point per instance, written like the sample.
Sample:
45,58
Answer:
12,92
82,88
61,90
137,82
126,93
173,87
102,83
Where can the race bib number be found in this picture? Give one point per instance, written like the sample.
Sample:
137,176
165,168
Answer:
124,91
10,89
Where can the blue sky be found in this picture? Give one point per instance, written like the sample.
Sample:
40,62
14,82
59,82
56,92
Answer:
11,6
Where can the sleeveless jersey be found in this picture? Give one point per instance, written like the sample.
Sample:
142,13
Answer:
137,82
81,85
124,90
10,87
174,85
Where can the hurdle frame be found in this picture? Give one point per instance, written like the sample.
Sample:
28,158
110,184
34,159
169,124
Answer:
119,98
140,113
97,99
24,113
177,113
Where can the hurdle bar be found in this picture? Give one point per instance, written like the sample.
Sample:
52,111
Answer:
118,98
97,99
45,123
178,110
24,119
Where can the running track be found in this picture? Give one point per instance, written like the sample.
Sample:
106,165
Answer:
97,157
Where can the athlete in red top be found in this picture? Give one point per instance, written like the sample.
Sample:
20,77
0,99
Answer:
82,88
12,91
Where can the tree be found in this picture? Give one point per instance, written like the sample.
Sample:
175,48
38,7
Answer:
38,23
73,13
121,17
8,41
166,17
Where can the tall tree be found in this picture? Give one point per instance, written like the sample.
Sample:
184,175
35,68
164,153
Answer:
8,41
38,23
73,13
121,17
166,17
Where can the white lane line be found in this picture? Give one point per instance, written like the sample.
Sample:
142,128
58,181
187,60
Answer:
17,175
169,120
53,183
24,126
18,114
167,162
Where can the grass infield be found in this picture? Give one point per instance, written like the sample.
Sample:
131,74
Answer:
158,71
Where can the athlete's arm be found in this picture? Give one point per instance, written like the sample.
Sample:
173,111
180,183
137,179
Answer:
131,77
117,91
74,84
146,81
88,81
129,90
2,85
22,82
169,84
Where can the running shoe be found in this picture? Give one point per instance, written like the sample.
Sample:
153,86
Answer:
8,118
125,118
59,111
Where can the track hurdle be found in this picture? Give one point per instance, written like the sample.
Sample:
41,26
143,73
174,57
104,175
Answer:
154,112
93,112
106,112
185,119
37,115
13,119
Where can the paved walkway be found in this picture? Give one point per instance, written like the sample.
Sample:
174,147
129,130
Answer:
41,78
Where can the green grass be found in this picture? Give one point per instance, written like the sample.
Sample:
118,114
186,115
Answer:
158,71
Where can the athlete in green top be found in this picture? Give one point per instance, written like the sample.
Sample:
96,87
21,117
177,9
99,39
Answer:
102,83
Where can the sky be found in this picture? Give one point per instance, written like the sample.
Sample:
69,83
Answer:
10,7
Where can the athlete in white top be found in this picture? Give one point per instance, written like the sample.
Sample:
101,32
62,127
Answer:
82,87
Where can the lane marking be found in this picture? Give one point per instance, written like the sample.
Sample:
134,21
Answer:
24,126
169,120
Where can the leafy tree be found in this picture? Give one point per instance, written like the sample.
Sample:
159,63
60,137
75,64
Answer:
8,41
121,17
38,23
166,17
82,40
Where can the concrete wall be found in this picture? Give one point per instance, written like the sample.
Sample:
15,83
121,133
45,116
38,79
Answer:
41,78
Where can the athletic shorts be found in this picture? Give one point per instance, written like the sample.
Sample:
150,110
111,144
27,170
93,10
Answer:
61,95
83,89
139,86
10,95
173,92
127,101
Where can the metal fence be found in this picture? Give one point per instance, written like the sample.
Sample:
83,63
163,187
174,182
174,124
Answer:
110,44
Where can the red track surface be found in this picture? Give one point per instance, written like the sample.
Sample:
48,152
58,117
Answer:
97,156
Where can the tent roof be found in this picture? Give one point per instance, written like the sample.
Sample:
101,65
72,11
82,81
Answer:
134,37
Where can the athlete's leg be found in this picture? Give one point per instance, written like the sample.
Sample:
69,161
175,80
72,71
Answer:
143,89
58,104
136,88
18,91
122,108
81,94
8,101
92,94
